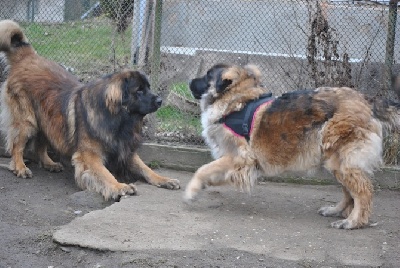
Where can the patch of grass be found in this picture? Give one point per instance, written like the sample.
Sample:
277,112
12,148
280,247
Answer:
172,119
79,44
182,89
154,164
86,46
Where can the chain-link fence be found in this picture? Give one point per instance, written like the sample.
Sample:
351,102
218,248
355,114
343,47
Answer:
296,44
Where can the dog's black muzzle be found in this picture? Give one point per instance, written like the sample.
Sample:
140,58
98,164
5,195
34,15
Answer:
198,87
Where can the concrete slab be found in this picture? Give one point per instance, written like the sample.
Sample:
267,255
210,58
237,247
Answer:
278,220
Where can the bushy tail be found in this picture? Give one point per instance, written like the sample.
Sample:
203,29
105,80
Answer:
388,112
11,36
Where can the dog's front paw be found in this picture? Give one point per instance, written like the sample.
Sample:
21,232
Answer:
55,167
192,190
171,184
128,189
21,170
24,172
329,212
123,190
344,224
189,196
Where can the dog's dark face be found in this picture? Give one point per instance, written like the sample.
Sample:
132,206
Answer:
131,92
137,95
200,86
222,78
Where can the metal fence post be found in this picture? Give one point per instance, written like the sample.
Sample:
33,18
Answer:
135,32
156,53
391,35
31,11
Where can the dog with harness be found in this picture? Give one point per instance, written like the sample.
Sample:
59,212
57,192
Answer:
253,134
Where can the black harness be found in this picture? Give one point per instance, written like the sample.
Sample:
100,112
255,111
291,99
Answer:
240,122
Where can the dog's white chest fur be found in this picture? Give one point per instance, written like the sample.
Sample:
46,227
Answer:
209,133
220,141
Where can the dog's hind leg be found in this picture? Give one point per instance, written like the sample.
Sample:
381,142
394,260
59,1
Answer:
45,161
340,208
91,174
360,189
19,137
17,118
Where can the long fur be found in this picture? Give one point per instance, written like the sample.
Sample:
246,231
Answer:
337,128
97,124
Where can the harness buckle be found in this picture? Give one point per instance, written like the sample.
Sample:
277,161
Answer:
245,127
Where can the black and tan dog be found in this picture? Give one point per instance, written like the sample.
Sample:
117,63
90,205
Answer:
332,127
98,124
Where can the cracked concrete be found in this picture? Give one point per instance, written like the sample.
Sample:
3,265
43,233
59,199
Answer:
278,220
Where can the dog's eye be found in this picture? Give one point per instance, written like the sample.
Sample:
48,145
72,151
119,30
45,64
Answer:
139,91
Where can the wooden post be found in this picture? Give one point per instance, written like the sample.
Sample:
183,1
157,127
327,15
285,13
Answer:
391,35
156,53
135,33
145,36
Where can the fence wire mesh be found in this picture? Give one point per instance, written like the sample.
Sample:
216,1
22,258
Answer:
296,44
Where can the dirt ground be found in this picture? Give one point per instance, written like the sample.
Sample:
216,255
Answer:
33,209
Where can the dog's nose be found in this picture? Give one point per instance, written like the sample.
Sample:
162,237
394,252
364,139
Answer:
158,101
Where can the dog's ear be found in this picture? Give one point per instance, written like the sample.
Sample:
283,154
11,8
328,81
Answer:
127,83
235,74
114,96
18,39
221,84
253,71
12,35
226,78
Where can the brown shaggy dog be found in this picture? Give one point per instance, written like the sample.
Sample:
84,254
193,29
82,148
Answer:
332,127
98,124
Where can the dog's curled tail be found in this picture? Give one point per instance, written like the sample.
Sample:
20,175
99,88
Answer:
388,112
11,36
